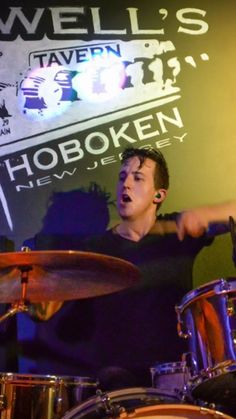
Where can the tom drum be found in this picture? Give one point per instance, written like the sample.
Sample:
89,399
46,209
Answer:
41,396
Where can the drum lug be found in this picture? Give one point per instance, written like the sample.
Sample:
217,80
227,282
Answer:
58,396
110,409
185,335
191,362
224,286
3,402
230,307
58,405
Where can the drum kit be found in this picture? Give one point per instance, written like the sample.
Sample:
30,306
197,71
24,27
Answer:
201,385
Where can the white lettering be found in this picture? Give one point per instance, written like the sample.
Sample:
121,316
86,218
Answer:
84,20
134,24
25,165
163,143
140,129
120,134
181,139
108,160
16,12
50,165
29,186
202,26
94,166
44,180
97,25
71,147
58,18
102,139
162,117
65,172
97,143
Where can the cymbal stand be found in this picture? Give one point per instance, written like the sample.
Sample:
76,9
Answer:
232,228
21,305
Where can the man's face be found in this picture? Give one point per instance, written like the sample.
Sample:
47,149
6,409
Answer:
135,189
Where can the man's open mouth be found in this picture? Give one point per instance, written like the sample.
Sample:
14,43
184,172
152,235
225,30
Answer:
125,198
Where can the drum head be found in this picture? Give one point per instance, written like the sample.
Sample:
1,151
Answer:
116,403
216,287
175,411
139,403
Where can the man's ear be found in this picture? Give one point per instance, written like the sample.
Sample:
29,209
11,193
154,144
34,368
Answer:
160,196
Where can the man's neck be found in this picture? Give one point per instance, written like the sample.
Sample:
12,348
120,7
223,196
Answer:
135,230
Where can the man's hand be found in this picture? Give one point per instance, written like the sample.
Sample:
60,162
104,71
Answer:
195,222
192,222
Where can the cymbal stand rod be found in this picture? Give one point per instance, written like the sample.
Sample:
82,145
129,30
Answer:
24,282
19,306
15,308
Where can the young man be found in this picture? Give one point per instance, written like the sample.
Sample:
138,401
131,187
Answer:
137,327
118,337
144,173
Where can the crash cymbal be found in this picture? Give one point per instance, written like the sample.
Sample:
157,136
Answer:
63,275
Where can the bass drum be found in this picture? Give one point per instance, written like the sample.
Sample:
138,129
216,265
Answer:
139,403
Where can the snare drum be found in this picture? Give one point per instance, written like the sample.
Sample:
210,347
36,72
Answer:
139,403
171,377
36,396
207,318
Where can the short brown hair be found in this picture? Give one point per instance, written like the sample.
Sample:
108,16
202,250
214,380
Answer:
161,176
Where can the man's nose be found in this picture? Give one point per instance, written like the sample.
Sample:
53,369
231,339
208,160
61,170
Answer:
127,182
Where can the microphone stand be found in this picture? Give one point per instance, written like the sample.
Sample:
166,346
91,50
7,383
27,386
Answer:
232,228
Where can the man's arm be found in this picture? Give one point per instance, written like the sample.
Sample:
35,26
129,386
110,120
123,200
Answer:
213,219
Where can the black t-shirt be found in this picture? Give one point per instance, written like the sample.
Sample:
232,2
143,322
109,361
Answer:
122,334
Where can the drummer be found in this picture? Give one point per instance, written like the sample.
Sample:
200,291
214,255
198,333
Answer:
118,337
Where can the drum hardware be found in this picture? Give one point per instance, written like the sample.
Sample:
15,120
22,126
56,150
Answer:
191,363
124,401
223,286
58,402
39,276
174,377
207,318
21,305
182,334
110,409
232,228
142,403
3,401
230,307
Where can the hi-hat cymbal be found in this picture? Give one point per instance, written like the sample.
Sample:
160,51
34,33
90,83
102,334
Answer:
63,275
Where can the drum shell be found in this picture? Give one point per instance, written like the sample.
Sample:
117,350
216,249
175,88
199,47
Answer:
42,396
171,377
207,318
